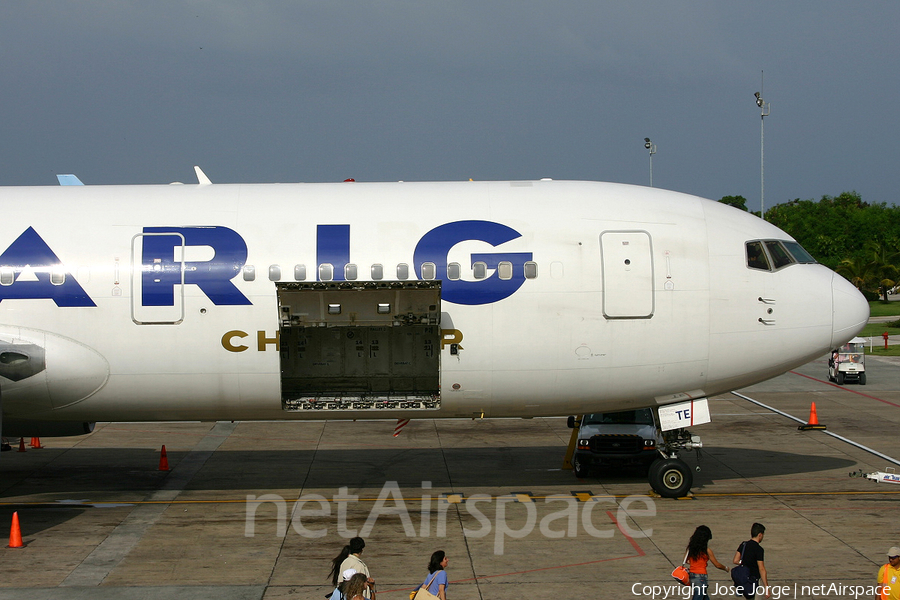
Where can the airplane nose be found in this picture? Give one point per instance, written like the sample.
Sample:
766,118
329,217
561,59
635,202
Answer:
851,311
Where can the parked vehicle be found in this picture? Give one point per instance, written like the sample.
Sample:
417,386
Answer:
623,438
848,363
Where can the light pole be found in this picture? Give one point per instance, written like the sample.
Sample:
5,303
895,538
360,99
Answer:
652,148
763,113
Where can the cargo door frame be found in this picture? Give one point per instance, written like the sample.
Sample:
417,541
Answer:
351,345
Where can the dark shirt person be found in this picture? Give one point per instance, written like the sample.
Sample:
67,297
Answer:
753,559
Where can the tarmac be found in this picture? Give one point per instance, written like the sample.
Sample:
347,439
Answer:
99,519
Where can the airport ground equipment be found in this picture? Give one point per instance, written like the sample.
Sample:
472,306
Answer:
848,362
886,476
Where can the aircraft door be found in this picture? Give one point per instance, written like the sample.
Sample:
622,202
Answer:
627,263
157,278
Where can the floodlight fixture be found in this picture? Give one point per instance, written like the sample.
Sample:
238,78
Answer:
763,113
652,148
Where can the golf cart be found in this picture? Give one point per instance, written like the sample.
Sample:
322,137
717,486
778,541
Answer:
848,363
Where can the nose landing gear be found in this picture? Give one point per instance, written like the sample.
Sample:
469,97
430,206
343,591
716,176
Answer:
669,476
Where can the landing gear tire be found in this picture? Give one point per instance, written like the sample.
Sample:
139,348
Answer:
578,467
671,477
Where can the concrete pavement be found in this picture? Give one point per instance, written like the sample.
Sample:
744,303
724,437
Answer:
100,521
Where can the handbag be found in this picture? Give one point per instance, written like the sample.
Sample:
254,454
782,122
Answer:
741,577
681,573
422,593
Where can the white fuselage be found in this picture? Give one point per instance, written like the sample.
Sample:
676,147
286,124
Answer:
631,296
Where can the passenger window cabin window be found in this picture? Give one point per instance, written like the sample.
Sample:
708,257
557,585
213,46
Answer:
756,256
479,269
57,277
377,272
505,269
779,254
350,272
454,271
274,273
326,272
299,272
403,271
429,270
7,276
530,270
249,273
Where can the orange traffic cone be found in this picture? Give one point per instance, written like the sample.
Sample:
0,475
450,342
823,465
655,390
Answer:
22,445
163,459
36,443
813,420
15,533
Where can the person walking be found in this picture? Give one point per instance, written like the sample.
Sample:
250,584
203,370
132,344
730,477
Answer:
750,554
699,554
349,558
356,587
889,577
436,580
339,591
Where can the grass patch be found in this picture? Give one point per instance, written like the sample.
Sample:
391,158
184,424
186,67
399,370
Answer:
877,308
893,350
875,330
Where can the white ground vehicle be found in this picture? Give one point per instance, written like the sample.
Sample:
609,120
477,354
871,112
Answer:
848,363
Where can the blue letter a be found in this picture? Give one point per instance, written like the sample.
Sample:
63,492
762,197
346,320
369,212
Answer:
32,251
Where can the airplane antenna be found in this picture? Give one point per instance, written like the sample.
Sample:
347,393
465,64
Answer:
202,179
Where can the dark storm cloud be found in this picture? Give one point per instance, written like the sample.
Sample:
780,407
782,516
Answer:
318,91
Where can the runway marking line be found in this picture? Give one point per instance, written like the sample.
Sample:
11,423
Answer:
452,498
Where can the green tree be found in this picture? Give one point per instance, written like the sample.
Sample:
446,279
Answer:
837,228
883,266
735,201
858,271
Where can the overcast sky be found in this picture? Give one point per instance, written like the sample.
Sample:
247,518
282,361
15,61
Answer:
139,92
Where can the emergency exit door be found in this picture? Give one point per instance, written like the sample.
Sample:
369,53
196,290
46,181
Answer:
627,263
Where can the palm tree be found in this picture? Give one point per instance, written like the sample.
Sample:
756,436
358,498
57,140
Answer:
883,267
858,271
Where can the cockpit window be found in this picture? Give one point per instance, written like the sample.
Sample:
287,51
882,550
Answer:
756,256
780,256
799,254
771,255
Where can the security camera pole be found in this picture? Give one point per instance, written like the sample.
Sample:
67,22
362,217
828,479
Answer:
763,113
652,148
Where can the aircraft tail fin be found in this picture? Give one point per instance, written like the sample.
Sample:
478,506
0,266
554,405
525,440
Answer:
68,180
